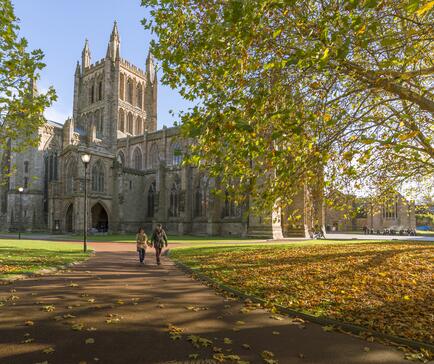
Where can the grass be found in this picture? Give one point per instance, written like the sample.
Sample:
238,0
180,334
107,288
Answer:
425,233
384,286
19,257
180,239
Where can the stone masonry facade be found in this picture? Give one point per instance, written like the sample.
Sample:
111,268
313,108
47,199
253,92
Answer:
135,176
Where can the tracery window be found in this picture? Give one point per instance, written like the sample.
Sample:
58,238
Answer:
139,96
154,158
201,197
175,192
175,154
151,199
130,91
100,90
121,121
139,125
231,209
390,210
71,175
122,87
137,159
130,124
98,176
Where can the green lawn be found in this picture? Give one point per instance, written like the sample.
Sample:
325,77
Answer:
28,256
425,233
182,239
384,286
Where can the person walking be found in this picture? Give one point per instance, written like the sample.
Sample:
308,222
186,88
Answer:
141,240
159,239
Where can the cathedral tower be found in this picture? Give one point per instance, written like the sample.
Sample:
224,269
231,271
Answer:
112,97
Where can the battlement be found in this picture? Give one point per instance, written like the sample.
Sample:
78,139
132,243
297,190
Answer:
94,66
132,67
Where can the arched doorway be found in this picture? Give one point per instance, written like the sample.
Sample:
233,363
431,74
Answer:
99,218
69,219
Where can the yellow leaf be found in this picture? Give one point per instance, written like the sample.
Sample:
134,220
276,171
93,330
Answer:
361,30
408,135
226,340
325,55
90,340
29,323
425,8
48,350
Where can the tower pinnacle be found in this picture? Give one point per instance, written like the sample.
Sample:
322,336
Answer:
113,48
85,56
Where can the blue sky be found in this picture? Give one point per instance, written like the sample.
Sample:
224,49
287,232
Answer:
59,28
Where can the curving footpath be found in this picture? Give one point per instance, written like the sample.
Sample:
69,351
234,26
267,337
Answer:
110,309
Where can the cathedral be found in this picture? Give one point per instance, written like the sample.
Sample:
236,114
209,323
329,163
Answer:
134,177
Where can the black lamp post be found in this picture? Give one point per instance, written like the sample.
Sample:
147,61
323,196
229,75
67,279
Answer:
85,158
20,190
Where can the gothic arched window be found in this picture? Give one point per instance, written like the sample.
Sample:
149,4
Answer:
137,158
154,158
122,87
201,197
175,154
139,125
151,199
121,121
98,177
92,94
139,96
231,209
130,91
71,174
175,193
98,120
100,90
130,124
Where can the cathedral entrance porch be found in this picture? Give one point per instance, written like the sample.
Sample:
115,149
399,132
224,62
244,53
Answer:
99,218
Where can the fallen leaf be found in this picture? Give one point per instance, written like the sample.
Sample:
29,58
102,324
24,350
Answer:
90,340
328,328
48,350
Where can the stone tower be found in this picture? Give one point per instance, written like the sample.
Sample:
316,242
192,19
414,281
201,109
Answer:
112,97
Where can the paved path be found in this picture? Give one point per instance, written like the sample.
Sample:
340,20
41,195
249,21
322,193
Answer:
126,308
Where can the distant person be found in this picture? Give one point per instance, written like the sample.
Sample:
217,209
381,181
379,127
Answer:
141,240
159,240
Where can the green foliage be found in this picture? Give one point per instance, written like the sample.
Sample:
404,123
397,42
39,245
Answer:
426,218
286,88
21,109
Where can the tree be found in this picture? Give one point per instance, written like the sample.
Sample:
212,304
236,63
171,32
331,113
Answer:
21,109
302,92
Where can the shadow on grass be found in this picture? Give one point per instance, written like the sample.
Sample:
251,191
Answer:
16,260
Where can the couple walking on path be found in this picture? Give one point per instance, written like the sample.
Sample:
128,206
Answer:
158,241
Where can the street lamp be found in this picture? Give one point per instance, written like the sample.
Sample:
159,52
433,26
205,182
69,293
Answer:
20,190
85,158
